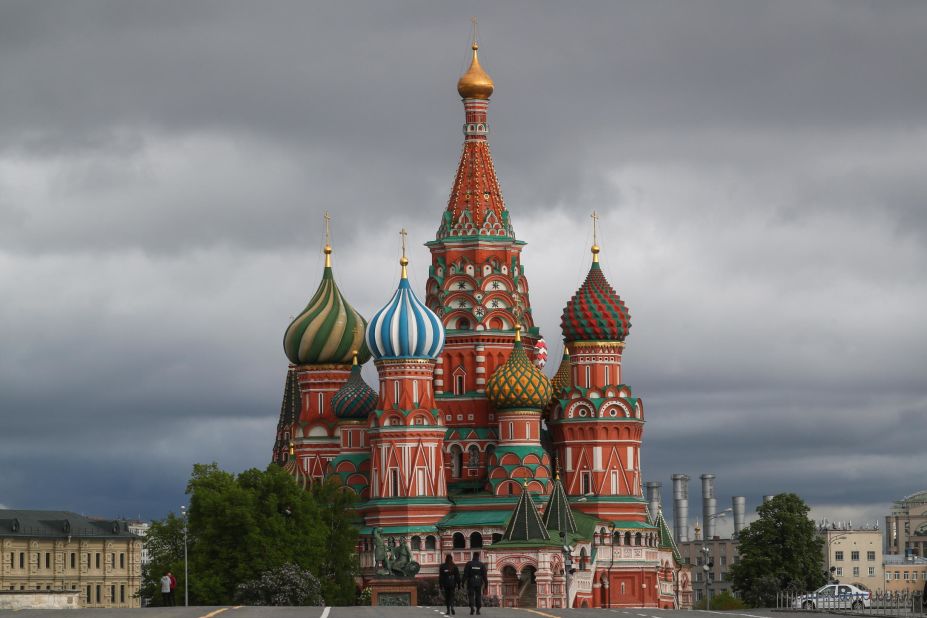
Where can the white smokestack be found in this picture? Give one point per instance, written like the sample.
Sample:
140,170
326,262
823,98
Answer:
681,507
709,505
654,497
739,506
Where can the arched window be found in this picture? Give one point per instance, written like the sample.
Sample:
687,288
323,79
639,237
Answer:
459,387
473,456
582,559
429,542
627,538
490,451
637,539
460,542
463,324
476,540
416,542
456,460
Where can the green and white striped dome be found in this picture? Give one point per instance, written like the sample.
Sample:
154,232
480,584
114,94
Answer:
328,330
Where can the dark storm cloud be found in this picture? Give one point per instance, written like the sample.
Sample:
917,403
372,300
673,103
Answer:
759,168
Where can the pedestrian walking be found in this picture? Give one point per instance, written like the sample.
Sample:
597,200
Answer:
449,579
167,598
475,578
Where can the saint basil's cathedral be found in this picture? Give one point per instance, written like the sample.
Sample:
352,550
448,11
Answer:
466,445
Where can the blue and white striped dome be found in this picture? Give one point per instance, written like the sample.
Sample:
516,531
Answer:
405,328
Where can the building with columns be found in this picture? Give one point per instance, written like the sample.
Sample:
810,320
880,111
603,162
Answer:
466,445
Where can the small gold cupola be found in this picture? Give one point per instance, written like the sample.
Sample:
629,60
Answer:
475,83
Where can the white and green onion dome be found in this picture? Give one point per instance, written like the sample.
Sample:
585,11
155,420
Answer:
405,327
328,330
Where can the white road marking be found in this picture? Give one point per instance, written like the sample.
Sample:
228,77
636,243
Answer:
325,612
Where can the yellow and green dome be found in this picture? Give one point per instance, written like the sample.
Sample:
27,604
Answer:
563,379
518,383
328,330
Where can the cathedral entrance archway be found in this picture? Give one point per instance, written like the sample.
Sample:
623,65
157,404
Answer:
509,586
527,588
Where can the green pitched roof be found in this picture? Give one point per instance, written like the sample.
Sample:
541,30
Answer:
526,524
666,538
475,518
558,515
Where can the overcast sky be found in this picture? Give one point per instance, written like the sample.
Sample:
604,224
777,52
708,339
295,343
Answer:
760,169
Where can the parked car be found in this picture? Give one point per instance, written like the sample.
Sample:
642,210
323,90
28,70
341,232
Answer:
834,596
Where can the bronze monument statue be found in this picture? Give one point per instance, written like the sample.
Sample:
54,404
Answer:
393,558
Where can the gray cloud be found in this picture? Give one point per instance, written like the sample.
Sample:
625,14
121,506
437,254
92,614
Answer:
163,170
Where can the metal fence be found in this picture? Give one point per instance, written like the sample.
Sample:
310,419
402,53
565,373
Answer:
879,603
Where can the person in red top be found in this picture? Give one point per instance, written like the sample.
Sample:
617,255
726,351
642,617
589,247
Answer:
173,585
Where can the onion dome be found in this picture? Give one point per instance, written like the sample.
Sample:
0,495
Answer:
328,329
595,313
540,353
475,83
295,470
355,400
518,383
405,327
563,379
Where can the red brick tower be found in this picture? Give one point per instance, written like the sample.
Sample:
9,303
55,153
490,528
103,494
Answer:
476,286
407,485
598,425
320,343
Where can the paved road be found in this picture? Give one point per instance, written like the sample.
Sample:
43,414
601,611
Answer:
387,612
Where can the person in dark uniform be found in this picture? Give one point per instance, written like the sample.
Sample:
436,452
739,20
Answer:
449,579
475,578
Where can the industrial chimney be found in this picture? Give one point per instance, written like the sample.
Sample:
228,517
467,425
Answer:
738,505
709,505
654,497
681,507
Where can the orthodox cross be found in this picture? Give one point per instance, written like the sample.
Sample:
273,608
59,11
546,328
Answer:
403,233
595,220
473,19
328,219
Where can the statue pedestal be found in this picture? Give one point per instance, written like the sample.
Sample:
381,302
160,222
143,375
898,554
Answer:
395,591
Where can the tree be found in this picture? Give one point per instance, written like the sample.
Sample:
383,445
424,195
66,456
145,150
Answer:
780,550
243,527
285,585
164,542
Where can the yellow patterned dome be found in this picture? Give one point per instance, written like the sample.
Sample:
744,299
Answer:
563,379
518,383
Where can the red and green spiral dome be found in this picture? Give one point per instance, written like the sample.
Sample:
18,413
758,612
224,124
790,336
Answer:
596,312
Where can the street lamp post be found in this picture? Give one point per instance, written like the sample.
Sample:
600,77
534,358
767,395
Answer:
709,563
707,568
831,569
611,562
186,573
567,565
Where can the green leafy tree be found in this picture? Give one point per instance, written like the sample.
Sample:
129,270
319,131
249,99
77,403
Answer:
243,527
779,551
339,567
164,543
285,585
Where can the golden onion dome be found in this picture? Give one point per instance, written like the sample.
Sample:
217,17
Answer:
475,83
518,383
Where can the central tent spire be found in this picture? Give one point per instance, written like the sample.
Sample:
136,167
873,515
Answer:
476,207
